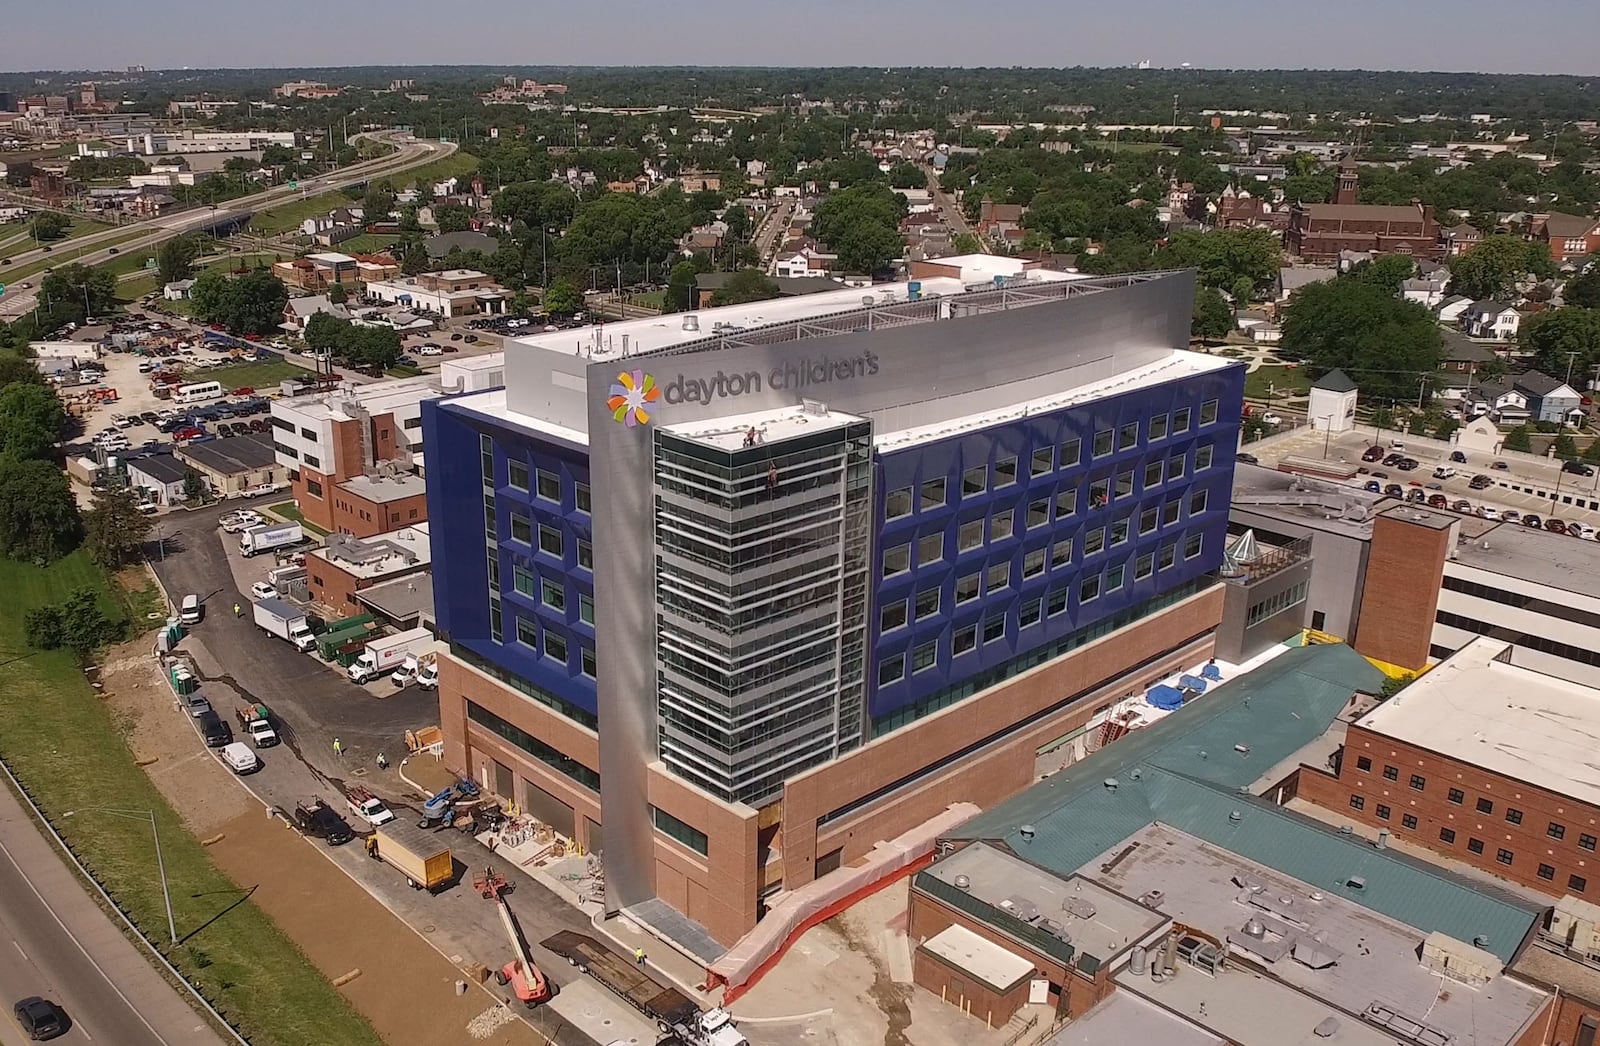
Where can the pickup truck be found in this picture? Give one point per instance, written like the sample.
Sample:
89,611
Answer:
255,721
368,807
315,817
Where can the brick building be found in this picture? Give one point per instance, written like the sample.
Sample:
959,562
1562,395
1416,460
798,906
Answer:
1319,231
346,566
1567,235
1485,761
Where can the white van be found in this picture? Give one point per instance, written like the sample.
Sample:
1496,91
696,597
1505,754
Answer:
1443,472
240,759
1398,446
191,611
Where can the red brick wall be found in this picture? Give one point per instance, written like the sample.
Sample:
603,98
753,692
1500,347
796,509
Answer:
316,508
967,993
332,587
1401,592
351,514
1530,841
1562,1028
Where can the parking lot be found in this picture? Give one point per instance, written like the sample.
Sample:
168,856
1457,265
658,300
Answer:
1512,482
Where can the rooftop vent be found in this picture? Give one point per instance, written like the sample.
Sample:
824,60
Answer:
1234,817
1327,1029
1111,784
691,322
1383,839
963,882
1027,832
1356,882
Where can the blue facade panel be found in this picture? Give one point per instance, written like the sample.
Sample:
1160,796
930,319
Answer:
533,551
1037,535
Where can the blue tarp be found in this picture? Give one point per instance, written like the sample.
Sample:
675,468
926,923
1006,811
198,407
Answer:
1192,683
1164,697
1211,672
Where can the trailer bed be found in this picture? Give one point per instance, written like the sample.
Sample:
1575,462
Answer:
629,980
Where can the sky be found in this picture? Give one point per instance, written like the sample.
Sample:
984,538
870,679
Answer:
1531,36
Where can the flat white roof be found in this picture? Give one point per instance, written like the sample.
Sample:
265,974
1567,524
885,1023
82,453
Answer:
379,397
760,427
493,404
459,274
1180,363
1536,728
988,962
331,258
658,333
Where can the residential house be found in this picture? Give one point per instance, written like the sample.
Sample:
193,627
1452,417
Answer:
1550,399
1458,239
177,290
808,261
997,220
1491,319
297,312
1292,278
1266,334
1465,357
1451,309
1567,235
1427,293
1500,402
697,182
1320,231
1245,319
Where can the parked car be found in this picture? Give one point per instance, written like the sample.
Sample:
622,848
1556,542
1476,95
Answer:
263,590
1500,466
1458,457
1248,459
1417,496
1488,512
1373,487
1581,530
1480,482
1438,501
1577,468
1407,464
1555,526
197,705
1511,515
1462,505
1391,460
1530,520
1395,490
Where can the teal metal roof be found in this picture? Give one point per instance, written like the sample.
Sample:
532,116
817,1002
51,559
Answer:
1183,771
1276,710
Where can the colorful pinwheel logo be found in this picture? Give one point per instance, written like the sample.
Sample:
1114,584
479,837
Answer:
631,396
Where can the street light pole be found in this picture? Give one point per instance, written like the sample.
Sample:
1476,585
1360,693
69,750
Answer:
161,863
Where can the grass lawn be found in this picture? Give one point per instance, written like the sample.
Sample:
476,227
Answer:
290,511
402,371
261,374
650,299
58,737
130,291
456,164
1281,379
79,227
367,243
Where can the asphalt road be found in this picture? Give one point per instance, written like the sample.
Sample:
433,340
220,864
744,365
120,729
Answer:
55,942
410,154
315,703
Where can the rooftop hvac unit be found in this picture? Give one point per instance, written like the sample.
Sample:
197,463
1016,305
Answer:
1575,925
1444,954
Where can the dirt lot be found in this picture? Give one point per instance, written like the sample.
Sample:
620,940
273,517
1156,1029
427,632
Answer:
406,988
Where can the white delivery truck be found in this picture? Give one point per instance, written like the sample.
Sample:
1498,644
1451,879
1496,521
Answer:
285,621
387,654
270,536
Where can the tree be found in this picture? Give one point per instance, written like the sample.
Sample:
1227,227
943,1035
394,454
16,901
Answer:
1445,427
1591,453
194,487
452,217
1559,338
15,368
47,226
907,175
1565,447
337,295
561,298
862,226
248,304
175,259
1583,290
1386,273
31,420
539,205
966,243
1212,316
1228,259
1382,418
114,528
84,624
73,293
1517,439
521,304
377,203
1392,685
42,627
737,220
680,284
1492,268
38,514
746,285
1384,344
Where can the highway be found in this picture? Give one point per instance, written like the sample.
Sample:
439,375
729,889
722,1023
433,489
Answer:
55,942
17,301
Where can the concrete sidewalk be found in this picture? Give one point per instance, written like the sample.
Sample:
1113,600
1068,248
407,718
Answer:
123,963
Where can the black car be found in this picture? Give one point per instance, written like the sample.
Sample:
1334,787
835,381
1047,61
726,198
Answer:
1248,459
40,1018
1406,464
1480,482
1577,468
1393,459
1532,521
217,733
1395,490
1458,457
317,818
